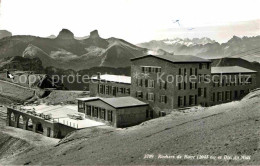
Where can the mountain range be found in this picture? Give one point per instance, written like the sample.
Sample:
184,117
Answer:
247,48
66,52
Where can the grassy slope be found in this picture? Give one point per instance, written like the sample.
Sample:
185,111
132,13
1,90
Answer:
13,92
227,129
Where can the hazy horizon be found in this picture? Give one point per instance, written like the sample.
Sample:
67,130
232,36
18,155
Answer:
133,20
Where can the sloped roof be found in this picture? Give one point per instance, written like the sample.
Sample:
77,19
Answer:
114,78
176,58
118,102
230,69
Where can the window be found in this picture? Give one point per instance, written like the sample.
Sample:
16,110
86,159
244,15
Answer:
179,71
163,99
199,91
139,82
81,104
151,83
146,83
128,91
88,110
163,85
150,69
213,97
249,81
207,65
139,94
95,114
184,85
200,78
110,116
150,97
180,101
122,90
103,114
99,88
205,92
196,71
143,69
227,95
147,113
192,100
179,86
107,90
193,85
191,71
200,66
114,91
219,96
185,72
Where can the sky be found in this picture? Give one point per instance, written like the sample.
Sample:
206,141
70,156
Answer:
133,20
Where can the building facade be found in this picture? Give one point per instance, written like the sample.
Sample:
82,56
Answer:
231,83
110,86
164,82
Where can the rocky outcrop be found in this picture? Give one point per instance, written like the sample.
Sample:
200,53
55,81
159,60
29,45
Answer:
65,34
5,33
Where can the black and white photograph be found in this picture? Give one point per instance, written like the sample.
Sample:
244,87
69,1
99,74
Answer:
129,82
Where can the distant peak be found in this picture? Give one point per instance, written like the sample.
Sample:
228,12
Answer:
65,34
94,34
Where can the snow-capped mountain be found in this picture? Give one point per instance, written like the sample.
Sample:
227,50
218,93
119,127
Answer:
188,42
247,48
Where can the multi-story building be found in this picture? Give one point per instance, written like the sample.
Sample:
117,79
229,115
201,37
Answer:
110,86
231,83
168,82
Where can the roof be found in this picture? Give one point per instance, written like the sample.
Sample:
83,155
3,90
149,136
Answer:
114,78
118,102
230,69
176,58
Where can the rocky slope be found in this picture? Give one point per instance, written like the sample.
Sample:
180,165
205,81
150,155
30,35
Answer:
247,47
66,52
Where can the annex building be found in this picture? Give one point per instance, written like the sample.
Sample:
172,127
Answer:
108,85
117,112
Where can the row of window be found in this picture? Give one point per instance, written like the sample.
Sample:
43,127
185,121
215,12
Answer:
151,69
187,100
147,83
183,71
232,82
202,92
98,112
112,90
227,95
183,86
151,97
204,66
150,83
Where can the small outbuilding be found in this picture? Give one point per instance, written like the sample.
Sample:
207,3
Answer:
117,112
